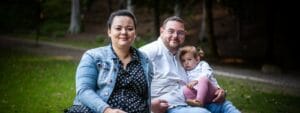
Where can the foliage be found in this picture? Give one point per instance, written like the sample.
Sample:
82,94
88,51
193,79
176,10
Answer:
58,10
18,15
54,29
139,41
102,40
56,17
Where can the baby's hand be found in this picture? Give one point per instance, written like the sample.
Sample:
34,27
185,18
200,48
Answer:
192,84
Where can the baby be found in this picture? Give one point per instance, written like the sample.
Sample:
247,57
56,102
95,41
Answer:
202,85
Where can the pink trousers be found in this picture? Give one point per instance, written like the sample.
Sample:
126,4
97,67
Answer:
204,91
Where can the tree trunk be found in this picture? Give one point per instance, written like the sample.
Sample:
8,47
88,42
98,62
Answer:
207,28
75,17
39,17
156,17
109,6
129,5
177,8
122,4
269,54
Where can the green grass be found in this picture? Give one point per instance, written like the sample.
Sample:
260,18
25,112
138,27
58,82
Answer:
35,84
255,97
44,84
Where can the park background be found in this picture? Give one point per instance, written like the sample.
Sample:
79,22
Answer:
254,35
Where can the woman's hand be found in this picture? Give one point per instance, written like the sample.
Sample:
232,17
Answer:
220,96
110,110
159,106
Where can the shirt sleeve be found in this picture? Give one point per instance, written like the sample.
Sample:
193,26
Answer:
150,51
208,71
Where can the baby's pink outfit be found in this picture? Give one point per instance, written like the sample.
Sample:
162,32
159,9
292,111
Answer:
207,85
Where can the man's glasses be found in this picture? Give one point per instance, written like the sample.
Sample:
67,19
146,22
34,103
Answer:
180,33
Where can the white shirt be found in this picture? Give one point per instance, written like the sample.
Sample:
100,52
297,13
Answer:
169,75
202,69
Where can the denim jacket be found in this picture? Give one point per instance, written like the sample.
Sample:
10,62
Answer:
96,77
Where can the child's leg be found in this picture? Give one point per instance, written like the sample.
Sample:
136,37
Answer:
189,93
205,90
211,92
190,97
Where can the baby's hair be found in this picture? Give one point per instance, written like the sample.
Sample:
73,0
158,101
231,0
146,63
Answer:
200,52
191,49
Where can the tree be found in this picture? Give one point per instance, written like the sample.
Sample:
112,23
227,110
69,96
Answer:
156,17
207,28
178,7
109,4
39,17
75,23
129,5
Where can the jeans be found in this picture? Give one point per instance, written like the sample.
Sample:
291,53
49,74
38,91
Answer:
225,107
187,109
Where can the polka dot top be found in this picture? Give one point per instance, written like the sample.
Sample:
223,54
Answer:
130,92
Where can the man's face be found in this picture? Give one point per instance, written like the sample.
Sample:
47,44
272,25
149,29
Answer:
173,35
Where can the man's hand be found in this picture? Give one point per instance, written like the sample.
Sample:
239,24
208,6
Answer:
220,96
159,106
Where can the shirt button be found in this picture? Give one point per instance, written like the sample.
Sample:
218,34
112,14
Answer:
106,93
110,81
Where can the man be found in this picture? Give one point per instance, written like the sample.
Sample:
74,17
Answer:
170,77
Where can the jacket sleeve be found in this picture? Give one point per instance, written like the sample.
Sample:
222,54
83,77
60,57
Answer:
86,84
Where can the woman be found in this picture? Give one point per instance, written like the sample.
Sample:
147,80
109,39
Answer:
114,78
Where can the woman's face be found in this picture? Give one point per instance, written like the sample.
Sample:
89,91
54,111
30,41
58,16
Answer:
122,31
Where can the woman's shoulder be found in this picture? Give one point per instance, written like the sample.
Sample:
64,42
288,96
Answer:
104,51
96,50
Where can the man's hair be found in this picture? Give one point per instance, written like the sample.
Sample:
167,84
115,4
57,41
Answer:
121,13
173,18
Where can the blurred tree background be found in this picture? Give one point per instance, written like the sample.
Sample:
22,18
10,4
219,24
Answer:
252,32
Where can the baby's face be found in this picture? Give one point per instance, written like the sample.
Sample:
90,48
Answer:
189,61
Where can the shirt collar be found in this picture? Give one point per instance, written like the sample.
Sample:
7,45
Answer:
134,55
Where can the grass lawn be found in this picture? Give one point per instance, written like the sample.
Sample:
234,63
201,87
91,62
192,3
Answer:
35,84
254,97
44,84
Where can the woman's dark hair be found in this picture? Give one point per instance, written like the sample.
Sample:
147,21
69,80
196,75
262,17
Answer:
121,13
